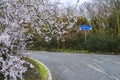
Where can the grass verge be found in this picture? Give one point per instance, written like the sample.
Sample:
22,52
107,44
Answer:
39,72
63,50
72,51
77,51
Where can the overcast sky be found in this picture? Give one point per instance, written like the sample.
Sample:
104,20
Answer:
69,2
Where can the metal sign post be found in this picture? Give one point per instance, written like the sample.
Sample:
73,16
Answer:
85,28
85,36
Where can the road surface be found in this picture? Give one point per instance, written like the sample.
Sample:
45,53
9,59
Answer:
67,66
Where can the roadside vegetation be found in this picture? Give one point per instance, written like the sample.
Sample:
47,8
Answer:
103,15
37,72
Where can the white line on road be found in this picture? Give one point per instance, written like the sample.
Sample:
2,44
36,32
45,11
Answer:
100,69
111,61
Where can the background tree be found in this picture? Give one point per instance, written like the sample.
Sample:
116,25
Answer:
104,16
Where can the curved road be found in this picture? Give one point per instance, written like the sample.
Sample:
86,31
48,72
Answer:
67,66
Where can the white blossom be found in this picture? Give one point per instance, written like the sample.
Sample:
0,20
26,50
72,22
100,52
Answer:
17,17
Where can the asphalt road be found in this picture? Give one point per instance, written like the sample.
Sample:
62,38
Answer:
67,66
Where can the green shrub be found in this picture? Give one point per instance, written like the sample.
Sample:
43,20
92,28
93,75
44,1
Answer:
98,42
103,43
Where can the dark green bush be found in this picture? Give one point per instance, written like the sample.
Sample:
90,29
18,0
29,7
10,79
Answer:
103,43
95,43
74,43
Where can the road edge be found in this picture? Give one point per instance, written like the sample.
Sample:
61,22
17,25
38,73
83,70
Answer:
49,74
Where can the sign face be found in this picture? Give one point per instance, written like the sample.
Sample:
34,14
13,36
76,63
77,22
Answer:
85,27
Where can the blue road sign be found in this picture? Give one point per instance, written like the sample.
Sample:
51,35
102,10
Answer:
85,27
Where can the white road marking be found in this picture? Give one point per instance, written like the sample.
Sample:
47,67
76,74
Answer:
100,69
111,60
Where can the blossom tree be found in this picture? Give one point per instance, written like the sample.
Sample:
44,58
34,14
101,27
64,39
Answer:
17,18
54,21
